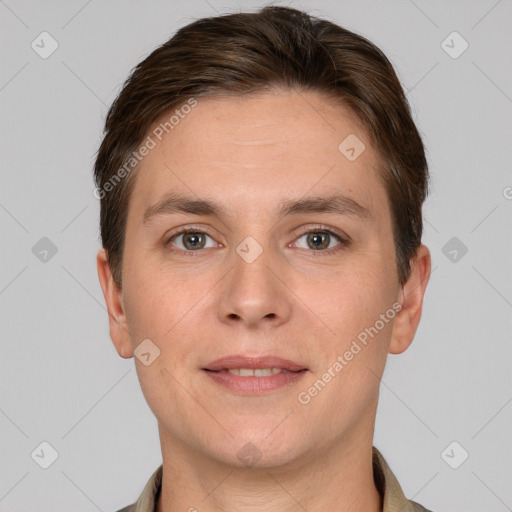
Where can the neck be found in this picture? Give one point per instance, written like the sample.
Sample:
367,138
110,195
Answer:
339,478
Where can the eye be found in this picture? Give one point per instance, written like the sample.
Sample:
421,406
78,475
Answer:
321,240
191,240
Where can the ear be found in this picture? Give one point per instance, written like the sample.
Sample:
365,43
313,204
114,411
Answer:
411,297
119,332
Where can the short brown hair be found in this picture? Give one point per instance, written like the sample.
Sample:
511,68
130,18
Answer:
248,52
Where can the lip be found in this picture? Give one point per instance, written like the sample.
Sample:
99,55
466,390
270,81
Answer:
291,372
238,361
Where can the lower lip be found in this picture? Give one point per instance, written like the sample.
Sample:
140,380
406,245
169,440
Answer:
255,385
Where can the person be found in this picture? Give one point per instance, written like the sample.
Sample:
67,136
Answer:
261,183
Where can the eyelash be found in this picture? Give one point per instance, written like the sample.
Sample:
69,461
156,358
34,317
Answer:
343,241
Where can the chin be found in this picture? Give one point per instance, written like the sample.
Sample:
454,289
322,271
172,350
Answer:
262,447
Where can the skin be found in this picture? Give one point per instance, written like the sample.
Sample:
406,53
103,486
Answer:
293,301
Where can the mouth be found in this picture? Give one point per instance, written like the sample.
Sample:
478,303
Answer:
240,363
254,375
255,372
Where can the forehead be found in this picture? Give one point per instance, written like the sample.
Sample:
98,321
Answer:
260,148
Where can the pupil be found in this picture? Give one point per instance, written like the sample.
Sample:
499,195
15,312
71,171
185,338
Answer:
192,239
318,238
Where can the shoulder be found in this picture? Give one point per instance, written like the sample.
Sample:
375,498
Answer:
129,508
416,507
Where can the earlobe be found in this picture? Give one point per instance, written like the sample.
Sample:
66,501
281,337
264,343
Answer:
119,332
411,297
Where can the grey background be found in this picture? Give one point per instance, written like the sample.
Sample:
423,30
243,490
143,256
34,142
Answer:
61,381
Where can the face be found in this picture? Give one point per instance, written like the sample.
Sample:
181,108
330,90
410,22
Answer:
292,257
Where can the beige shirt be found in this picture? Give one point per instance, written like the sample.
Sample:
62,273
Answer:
393,497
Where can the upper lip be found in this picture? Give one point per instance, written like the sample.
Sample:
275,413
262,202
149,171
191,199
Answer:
238,361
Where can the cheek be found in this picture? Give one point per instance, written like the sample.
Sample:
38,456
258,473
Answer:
355,297
167,311
153,302
360,315
165,396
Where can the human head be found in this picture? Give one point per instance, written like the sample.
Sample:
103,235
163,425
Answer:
248,52
252,145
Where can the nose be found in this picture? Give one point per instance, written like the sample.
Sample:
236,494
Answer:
255,293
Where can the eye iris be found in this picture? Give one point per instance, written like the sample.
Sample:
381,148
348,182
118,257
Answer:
195,238
316,238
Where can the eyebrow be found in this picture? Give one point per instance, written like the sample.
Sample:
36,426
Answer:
336,203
